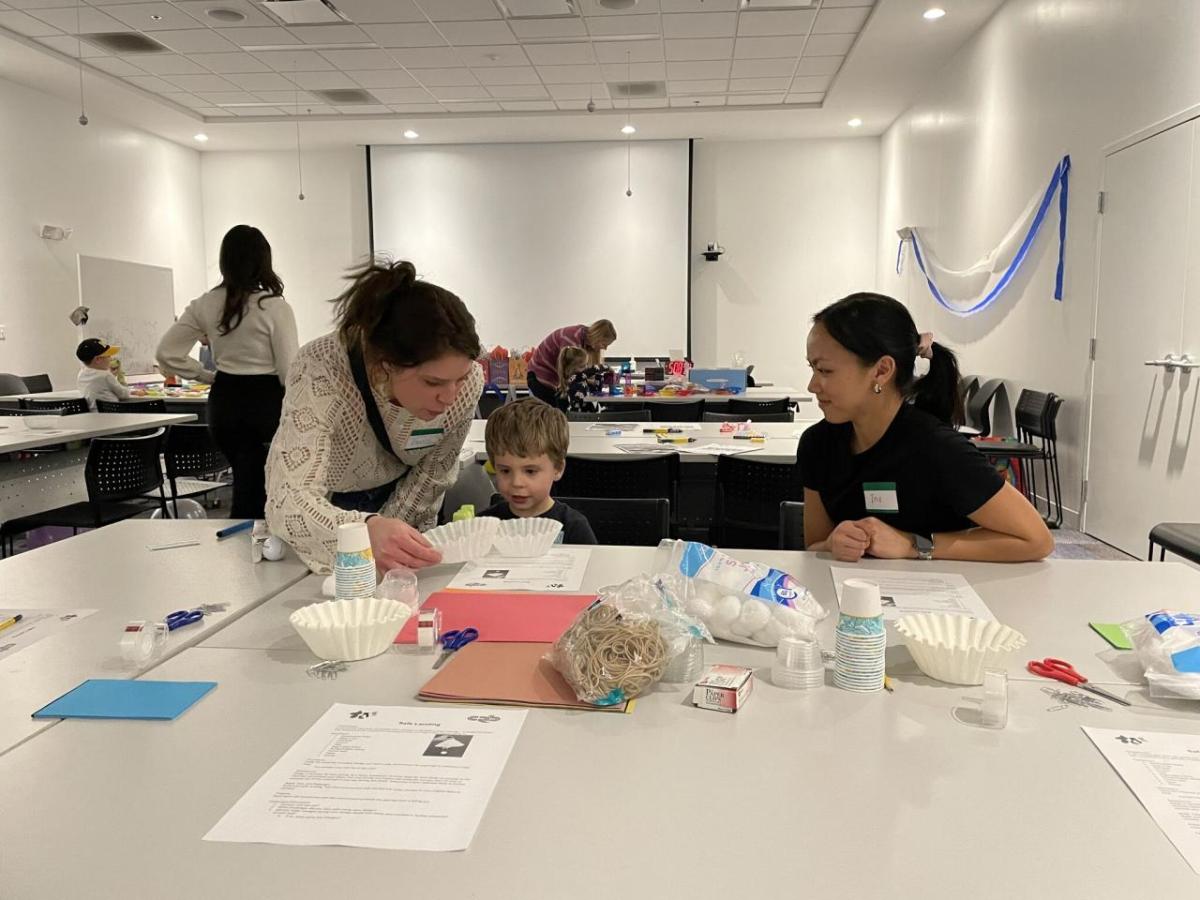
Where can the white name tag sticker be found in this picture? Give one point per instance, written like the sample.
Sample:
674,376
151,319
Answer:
880,497
424,438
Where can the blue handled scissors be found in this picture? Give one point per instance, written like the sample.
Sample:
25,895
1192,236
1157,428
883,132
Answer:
455,640
182,617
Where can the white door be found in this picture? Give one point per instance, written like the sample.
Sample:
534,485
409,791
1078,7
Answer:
1139,470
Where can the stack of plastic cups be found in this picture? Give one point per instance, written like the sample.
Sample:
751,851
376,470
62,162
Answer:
354,565
798,665
861,642
687,665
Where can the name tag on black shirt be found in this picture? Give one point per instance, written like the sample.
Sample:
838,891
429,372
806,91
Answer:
880,497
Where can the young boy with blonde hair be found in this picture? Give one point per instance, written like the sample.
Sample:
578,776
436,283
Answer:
527,445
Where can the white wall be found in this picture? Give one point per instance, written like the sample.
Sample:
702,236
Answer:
1042,78
127,195
798,223
313,241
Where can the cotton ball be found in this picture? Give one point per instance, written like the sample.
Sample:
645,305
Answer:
725,611
769,634
783,613
327,587
701,608
755,615
273,548
709,591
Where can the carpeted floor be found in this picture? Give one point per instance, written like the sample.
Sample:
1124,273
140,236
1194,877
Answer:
1077,545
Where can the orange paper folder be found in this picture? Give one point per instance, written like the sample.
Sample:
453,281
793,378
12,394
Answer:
506,674
503,617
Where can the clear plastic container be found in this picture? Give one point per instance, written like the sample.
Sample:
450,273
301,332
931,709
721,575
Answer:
798,665
993,710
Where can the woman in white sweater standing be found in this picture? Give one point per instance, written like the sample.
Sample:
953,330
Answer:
375,416
251,331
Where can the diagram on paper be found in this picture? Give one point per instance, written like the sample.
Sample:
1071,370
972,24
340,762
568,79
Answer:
454,745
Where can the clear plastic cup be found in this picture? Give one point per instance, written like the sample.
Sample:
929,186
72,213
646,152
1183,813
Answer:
798,664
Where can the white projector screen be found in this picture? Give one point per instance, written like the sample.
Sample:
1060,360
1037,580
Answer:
533,237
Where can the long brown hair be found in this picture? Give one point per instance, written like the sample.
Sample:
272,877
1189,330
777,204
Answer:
245,270
393,317
570,361
602,331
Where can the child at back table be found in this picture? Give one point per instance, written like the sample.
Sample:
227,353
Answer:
578,381
527,445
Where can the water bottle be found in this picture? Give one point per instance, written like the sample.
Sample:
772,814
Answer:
860,641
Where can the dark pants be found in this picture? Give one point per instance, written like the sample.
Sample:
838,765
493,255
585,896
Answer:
539,390
243,414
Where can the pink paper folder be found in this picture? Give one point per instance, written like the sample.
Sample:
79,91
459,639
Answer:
524,618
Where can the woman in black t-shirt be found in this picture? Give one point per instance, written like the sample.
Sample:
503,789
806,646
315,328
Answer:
885,474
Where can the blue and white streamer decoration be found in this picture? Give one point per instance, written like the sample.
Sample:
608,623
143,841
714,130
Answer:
967,291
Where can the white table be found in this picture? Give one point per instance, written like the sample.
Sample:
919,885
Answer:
110,569
775,392
15,433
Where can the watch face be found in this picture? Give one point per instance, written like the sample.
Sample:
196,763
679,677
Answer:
924,545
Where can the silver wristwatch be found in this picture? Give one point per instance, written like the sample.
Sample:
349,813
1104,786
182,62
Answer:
924,546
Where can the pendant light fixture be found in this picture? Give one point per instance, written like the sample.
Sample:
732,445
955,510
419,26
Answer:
299,164
83,119
628,130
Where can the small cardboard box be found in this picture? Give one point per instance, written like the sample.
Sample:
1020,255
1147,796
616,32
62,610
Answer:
724,688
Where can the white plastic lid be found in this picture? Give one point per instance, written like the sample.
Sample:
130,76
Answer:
861,598
353,537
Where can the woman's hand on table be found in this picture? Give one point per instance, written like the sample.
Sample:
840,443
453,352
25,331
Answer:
397,543
887,542
848,542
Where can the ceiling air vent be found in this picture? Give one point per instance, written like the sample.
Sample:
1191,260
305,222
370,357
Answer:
636,90
124,42
302,12
344,96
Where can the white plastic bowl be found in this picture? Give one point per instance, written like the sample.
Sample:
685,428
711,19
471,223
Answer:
527,537
464,540
350,629
956,649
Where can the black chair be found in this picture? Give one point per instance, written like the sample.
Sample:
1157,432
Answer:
746,511
9,411
193,463
636,477
70,407
754,407
791,525
967,386
753,417
1181,538
687,411
118,473
37,384
12,384
131,406
488,404
611,415
625,522
1037,425
979,408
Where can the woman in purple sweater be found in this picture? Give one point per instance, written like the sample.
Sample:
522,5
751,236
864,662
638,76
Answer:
543,367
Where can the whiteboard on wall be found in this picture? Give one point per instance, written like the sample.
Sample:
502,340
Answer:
533,237
130,305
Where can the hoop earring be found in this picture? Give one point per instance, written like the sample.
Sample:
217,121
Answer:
877,389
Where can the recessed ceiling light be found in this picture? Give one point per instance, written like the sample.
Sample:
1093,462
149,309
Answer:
410,134
855,122
201,137
155,18
224,14
934,12
628,129
618,4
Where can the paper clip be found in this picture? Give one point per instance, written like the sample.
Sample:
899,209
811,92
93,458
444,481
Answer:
328,669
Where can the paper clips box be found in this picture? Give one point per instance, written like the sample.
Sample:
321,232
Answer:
724,688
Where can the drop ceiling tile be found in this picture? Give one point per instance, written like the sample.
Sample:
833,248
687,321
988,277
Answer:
569,74
360,59
114,66
72,46
258,37
36,4
755,100
198,83
804,98
768,47
401,95
25,24
841,21
460,92
194,40
223,63
284,98
685,6
580,105
627,24
152,83
427,57
383,78
189,100
225,98
442,77
198,10
488,55
769,24
829,44
330,34
697,101
707,86
811,84
261,81
713,68
459,10
215,112
832,4
254,111
167,64
294,60
490,106
363,109
151,16
637,72
703,48
411,34
518,92
593,8
321,81
363,11
763,68
527,105
639,51
699,25
507,75
417,107
645,103
560,54
549,28
779,83
819,65
468,34
583,92
91,21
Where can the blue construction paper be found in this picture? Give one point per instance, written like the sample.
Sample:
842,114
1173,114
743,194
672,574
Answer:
107,698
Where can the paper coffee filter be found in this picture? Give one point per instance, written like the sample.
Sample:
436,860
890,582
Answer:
350,629
956,649
464,540
530,537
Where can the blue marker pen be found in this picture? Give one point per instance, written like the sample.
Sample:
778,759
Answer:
235,529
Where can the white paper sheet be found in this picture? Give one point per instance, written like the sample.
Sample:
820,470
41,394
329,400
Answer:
905,593
1163,771
388,777
36,625
655,448
722,449
560,570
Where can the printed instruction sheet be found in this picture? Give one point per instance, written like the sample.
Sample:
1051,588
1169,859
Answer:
905,593
1163,771
562,569
387,777
35,625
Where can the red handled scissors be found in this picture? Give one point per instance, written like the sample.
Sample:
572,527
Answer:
1061,670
